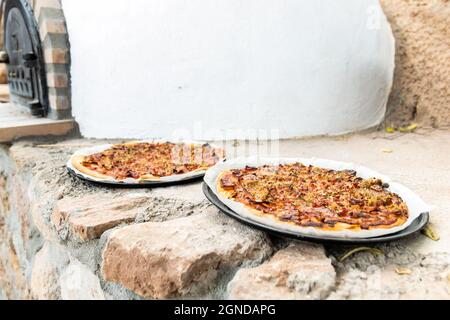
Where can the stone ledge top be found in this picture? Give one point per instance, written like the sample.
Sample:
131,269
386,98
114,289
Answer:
170,242
14,123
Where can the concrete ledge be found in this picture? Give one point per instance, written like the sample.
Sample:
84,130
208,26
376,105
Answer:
17,123
37,127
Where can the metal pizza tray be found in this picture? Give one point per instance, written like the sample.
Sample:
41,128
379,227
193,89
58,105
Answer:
143,184
414,227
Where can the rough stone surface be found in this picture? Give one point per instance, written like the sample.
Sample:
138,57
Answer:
301,271
364,276
78,282
13,279
4,197
47,267
12,272
87,218
179,257
421,83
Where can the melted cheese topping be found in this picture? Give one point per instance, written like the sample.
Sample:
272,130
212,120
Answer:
136,160
314,197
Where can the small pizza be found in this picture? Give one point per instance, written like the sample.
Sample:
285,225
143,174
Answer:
146,161
308,196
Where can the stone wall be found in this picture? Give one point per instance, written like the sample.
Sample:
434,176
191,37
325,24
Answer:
421,89
62,238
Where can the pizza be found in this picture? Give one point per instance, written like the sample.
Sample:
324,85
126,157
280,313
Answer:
142,161
306,196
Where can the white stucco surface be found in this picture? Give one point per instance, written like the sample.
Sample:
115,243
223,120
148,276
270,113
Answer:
143,69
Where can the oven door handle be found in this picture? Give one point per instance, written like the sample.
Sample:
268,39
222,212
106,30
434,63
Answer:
4,58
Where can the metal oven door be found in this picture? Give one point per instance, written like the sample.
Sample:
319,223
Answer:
26,67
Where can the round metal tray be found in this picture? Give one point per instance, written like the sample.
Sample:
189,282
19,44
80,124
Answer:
415,226
144,184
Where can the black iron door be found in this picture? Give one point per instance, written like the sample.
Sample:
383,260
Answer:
26,68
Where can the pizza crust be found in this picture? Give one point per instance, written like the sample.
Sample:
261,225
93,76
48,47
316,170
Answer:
75,164
415,205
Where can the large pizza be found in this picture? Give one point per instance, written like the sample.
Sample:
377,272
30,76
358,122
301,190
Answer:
312,199
141,161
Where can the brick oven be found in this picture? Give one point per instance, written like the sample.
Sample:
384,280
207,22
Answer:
36,50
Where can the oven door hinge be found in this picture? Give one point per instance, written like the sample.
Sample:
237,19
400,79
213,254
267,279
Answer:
4,57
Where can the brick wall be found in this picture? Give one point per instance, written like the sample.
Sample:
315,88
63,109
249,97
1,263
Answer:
56,49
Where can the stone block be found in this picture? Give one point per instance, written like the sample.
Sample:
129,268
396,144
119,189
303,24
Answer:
47,267
88,217
181,256
301,271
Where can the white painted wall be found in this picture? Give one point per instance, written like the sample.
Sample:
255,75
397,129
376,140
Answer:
145,68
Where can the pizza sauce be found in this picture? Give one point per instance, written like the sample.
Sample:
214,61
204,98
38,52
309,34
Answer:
314,197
